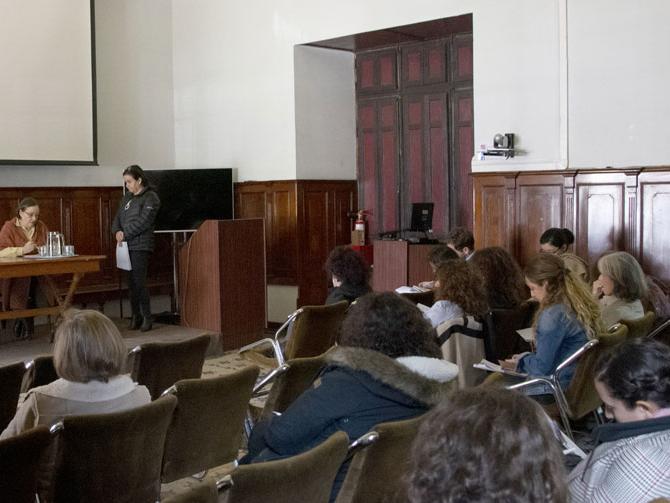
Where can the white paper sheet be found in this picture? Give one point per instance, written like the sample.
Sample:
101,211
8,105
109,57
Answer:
123,257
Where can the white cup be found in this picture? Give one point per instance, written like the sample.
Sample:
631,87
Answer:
68,250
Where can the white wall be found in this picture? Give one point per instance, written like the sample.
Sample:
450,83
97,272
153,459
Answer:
618,83
325,114
134,98
234,73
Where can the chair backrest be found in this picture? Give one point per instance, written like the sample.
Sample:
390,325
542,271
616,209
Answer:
306,477
501,340
158,365
376,471
315,330
11,377
113,458
425,298
20,459
581,394
40,372
207,425
462,342
641,326
292,383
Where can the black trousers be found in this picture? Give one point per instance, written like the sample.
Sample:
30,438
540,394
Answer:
137,283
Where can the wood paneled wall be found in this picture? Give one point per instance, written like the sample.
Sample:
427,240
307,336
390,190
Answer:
607,209
304,220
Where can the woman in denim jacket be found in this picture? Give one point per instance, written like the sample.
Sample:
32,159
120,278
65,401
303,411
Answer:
567,318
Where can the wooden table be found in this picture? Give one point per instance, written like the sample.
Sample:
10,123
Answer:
21,267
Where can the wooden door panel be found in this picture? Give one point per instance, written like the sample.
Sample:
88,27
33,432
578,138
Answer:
655,238
600,225
538,208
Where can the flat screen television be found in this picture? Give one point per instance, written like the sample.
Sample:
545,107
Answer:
422,217
191,196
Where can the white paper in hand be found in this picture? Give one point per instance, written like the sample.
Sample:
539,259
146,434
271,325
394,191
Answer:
123,256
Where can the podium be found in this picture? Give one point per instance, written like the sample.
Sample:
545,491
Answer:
398,263
222,280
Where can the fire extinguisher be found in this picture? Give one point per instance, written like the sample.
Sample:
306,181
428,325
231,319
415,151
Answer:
360,226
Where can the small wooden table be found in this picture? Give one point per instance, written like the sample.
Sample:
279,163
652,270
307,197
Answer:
21,267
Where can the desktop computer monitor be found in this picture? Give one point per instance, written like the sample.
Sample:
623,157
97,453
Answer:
422,217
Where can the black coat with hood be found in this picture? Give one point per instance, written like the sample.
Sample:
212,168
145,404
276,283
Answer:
358,389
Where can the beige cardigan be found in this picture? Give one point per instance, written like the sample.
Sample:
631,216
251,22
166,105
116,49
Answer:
46,405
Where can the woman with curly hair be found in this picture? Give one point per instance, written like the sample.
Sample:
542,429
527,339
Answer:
459,290
568,316
349,273
620,288
502,275
387,367
631,460
486,445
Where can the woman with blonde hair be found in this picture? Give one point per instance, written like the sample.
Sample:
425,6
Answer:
620,288
568,316
90,358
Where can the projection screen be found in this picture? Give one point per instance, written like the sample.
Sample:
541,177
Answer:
47,82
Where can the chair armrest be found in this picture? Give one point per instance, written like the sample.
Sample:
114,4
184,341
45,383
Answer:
361,442
575,356
282,369
224,483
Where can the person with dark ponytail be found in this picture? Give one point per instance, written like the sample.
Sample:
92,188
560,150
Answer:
631,460
568,316
558,241
134,223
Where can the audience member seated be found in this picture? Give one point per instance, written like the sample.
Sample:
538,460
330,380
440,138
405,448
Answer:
438,256
557,241
486,445
459,292
620,288
568,315
89,357
503,279
461,241
631,461
386,368
350,275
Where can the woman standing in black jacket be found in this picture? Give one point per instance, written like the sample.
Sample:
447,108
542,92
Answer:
134,223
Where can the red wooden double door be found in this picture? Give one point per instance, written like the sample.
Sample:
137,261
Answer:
415,132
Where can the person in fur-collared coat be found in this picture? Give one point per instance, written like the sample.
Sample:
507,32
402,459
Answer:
386,368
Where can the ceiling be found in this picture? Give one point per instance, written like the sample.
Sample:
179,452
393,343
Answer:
418,32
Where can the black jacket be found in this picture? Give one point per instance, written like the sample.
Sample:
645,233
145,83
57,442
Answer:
135,217
346,292
358,389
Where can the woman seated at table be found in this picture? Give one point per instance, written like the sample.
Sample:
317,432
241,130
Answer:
90,358
620,288
19,236
567,317
349,273
631,459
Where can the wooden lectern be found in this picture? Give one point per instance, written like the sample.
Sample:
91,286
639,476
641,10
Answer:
399,263
222,280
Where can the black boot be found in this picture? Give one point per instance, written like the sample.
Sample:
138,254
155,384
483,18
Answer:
135,322
146,324
19,328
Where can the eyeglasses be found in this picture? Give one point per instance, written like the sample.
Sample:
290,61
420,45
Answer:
31,215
